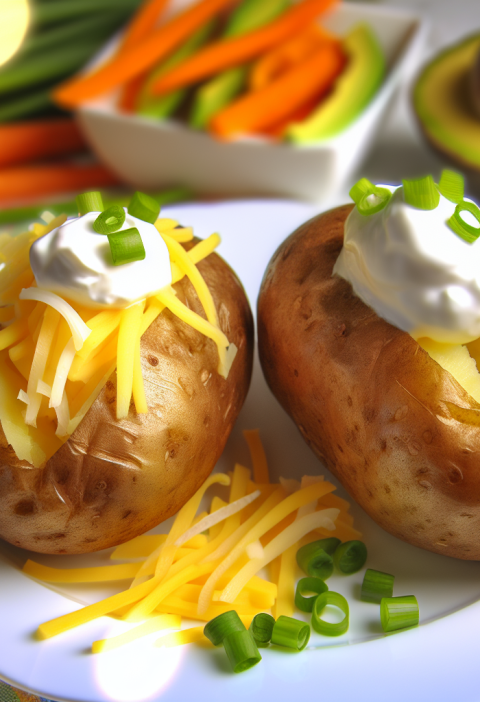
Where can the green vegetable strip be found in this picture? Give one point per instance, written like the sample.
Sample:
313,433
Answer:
328,628
144,207
376,585
374,201
399,612
457,224
315,559
89,202
52,11
350,557
126,246
26,105
261,628
290,633
110,220
421,193
451,186
241,650
223,625
305,604
362,187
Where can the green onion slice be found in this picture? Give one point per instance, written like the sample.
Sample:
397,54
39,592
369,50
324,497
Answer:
223,625
305,604
451,186
421,193
457,224
329,628
361,188
110,220
291,633
144,207
261,628
89,202
126,246
376,585
315,559
241,650
350,556
399,612
374,201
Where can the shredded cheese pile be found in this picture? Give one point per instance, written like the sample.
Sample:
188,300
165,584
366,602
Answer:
56,356
209,563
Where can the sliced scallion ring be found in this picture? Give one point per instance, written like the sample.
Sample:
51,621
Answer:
399,612
241,650
89,202
329,628
350,557
110,220
376,585
421,193
304,585
451,186
144,207
315,559
374,201
361,188
261,628
291,633
457,224
126,246
223,625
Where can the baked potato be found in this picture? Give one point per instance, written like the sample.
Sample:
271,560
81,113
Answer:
114,479
398,431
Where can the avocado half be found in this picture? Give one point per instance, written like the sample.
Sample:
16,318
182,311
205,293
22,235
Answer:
444,103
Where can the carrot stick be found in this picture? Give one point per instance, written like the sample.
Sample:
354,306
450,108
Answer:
276,131
27,141
227,53
36,181
142,23
264,108
128,64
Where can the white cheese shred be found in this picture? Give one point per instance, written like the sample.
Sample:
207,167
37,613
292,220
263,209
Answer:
79,329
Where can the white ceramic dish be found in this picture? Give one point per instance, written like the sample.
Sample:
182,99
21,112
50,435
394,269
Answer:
436,662
151,155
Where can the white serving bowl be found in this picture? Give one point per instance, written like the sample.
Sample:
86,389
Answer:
152,155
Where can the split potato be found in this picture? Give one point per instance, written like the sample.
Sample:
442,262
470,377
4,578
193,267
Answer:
398,431
114,479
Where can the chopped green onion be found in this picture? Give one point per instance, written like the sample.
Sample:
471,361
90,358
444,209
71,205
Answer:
457,224
110,220
315,559
399,612
261,628
350,556
241,650
144,207
361,188
376,585
305,604
451,186
329,628
374,201
223,625
89,202
290,633
421,193
126,246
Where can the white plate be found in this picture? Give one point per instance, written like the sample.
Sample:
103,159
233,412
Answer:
435,662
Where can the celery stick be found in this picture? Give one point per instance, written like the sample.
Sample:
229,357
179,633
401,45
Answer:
53,11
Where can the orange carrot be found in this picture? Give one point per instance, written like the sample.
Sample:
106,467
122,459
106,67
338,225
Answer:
276,131
142,23
132,62
261,109
227,53
27,182
27,141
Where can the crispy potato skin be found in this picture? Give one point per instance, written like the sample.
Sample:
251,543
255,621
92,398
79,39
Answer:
397,430
113,480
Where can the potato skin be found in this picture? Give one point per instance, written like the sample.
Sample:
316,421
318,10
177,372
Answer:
113,480
397,430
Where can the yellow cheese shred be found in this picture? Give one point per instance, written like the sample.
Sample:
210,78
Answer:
127,344
162,621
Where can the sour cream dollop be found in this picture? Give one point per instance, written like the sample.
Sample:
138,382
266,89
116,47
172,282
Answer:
413,270
76,263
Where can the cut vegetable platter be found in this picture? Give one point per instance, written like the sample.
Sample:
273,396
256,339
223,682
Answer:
435,661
